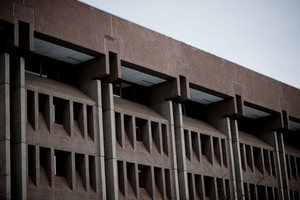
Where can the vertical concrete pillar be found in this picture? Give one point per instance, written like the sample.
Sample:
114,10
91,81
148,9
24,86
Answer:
5,171
94,90
166,110
111,167
237,164
281,161
276,141
180,152
18,128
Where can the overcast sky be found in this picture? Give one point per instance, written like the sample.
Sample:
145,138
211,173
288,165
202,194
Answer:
262,35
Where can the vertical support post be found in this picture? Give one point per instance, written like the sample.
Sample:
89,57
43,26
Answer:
5,170
237,159
110,142
165,109
94,90
180,151
18,128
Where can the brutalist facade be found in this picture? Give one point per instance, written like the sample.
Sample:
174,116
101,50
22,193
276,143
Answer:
95,107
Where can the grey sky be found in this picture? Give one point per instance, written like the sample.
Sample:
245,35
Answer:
260,35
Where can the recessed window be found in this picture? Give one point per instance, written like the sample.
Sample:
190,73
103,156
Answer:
142,178
59,110
60,163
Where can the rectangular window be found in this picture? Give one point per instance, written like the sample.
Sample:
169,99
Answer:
121,177
156,135
92,173
80,171
258,158
168,183
142,176
90,121
165,138
187,144
44,112
209,187
139,123
128,123
30,109
32,164
217,150
78,117
45,166
195,144
224,152
59,109
242,156
118,123
206,147
159,181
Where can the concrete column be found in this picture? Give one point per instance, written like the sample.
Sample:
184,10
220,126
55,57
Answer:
166,110
18,128
180,152
93,89
281,161
5,170
237,164
111,167
276,141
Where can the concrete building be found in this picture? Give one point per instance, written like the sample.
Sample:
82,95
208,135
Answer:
95,107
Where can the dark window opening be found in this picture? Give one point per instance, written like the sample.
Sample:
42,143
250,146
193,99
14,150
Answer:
228,192
142,176
121,177
78,117
129,128
24,35
261,193
195,144
249,157
190,185
168,183
156,135
298,166
165,138
267,161
217,149
32,163
92,173
194,110
60,161
293,167
80,169
224,152
288,166
131,91
242,156
46,67
221,193
158,179
44,111
258,159
272,163
140,126
30,108
187,144
90,121
208,187
118,128
206,147
270,193
59,110
45,165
